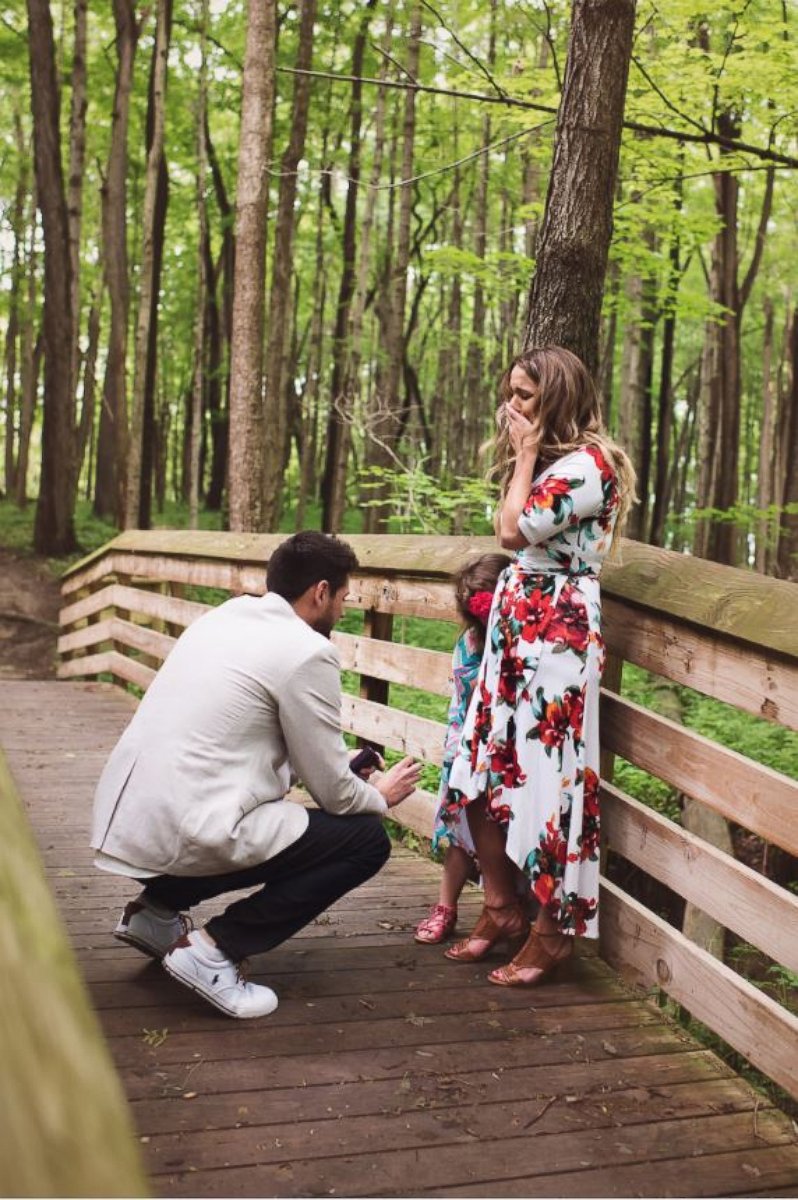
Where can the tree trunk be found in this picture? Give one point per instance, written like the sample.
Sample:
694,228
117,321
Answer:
202,277
767,439
147,293
385,416
111,453
219,333
86,425
277,417
719,421
246,357
333,488
787,561
637,371
13,322
77,158
573,244
31,348
54,530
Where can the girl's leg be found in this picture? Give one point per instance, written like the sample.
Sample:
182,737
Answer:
456,870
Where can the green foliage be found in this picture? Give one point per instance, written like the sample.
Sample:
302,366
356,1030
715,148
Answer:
423,505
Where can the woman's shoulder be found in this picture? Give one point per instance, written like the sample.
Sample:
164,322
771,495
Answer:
589,457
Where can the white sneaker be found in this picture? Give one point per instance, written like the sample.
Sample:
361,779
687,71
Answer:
219,980
149,928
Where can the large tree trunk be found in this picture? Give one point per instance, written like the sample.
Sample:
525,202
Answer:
333,488
278,420
54,530
385,416
147,294
246,358
573,244
111,453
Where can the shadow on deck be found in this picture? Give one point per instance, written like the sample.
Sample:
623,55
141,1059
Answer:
385,1070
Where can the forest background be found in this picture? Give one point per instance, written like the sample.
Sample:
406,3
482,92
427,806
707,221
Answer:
400,243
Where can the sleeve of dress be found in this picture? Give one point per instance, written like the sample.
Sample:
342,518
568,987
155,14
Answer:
570,493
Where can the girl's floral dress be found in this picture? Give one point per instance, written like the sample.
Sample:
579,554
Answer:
530,742
466,657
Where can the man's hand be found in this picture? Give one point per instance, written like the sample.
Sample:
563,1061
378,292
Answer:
400,782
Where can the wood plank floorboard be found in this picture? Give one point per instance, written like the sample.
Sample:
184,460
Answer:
386,1071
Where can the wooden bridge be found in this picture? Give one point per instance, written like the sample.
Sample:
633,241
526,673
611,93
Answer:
388,1070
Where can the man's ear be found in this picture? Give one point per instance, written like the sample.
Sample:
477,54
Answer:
321,592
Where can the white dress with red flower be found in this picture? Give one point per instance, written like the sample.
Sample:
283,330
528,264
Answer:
530,742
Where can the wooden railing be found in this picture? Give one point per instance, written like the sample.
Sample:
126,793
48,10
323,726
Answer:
728,634
66,1126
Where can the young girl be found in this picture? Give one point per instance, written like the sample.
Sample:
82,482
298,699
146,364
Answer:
528,760
474,586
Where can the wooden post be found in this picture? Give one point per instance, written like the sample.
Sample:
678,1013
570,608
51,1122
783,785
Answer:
66,1127
377,625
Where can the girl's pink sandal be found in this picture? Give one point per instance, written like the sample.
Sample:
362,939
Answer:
437,926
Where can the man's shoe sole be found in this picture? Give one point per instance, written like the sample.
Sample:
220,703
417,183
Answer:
147,948
192,984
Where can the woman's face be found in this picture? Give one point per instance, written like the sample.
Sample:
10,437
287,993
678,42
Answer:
524,394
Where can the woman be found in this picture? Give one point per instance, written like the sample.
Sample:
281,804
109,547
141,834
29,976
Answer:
527,765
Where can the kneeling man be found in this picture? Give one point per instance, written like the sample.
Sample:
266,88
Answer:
192,799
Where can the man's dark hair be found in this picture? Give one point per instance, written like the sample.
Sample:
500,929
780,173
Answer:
305,559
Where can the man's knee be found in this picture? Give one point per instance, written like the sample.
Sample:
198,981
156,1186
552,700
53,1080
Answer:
376,843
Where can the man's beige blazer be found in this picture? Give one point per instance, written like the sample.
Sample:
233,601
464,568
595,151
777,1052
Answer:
196,783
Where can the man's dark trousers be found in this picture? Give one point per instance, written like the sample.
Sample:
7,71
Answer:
333,855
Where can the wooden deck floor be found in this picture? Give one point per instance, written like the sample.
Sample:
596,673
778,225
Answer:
386,1070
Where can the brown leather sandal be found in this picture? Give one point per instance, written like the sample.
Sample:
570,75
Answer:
487,929
533,954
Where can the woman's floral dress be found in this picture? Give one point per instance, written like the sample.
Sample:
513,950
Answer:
530,742
466,657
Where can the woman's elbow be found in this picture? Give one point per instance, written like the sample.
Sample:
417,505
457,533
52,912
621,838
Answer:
511,538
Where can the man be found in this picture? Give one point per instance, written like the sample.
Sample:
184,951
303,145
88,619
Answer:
192,799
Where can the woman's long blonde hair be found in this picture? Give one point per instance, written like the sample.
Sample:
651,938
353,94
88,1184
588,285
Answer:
570,417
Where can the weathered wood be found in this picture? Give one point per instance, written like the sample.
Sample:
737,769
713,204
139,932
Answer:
111,662
760,911
391,727
131,599
653,953
51,1046
127,633
429,670
745,676
746,792
741,605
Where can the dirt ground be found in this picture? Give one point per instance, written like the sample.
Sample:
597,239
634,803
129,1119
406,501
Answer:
29,603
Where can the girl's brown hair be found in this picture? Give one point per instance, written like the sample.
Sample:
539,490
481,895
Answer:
569,416
479,575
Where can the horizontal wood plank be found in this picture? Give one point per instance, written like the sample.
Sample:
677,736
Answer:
744,676
754,907
429,670
645,948
746,792
115,596
391,727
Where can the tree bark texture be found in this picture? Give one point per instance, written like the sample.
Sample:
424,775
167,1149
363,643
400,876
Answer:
202,276
637,373
54,530
573,244
77,159
147,271
246,356
333,489
111,455
788,540
278,419
385,415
